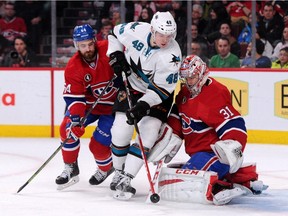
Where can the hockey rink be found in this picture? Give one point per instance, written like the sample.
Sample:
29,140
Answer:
21,157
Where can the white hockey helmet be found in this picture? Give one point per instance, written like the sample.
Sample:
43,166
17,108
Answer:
191,66
164,23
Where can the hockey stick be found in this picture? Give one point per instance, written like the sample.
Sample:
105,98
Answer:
155,179
82,121
154,197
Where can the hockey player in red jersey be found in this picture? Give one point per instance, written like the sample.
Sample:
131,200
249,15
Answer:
86,75
214,135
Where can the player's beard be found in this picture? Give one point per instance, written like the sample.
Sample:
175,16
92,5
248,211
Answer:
89,56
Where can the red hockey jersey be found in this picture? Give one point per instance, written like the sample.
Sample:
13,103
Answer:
207,118
85,81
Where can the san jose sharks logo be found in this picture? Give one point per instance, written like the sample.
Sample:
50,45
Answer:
134,25
175,60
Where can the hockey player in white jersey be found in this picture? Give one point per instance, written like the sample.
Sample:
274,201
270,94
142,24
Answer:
150,58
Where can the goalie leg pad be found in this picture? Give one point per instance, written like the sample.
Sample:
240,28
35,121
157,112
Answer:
186,185
207,161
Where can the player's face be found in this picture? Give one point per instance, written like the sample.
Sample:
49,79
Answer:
162,40
191,81
87,49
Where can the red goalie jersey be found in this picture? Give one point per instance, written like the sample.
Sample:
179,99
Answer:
207,118
85,81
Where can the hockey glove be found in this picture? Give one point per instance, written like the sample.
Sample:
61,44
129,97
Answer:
229,152
119,63
137,112
73,128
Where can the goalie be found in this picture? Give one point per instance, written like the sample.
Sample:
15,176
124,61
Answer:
214,136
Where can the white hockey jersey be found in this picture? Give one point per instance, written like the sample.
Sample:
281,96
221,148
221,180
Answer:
154,70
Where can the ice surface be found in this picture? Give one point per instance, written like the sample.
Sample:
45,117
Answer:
21,157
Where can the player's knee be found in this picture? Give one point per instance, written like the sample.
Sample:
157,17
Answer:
98,149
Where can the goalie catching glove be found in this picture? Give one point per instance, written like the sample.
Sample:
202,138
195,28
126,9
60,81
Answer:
229,152
73,128
166,146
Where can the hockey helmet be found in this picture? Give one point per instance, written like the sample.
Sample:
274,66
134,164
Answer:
193,66
164,23
83,32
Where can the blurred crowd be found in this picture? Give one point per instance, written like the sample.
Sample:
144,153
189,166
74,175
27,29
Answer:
221,31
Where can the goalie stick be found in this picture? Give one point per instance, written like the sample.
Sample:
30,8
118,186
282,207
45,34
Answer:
82,121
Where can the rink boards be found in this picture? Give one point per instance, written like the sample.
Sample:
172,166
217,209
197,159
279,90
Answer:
31,103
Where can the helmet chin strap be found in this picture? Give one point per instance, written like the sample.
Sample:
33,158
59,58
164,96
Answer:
153,38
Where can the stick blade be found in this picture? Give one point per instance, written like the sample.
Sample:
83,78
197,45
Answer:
22,187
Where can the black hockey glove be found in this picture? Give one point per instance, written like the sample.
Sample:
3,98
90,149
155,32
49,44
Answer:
137,112
119,63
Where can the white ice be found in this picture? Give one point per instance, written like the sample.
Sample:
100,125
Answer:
20,158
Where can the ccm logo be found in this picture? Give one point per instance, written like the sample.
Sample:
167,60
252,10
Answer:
187,172
8,99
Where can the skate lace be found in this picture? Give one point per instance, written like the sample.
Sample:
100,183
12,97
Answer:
124,180
68,169
116,178
99,175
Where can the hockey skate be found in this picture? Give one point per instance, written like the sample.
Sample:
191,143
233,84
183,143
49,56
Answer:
68,177
116,179
100,176
225,196
256,187
124,190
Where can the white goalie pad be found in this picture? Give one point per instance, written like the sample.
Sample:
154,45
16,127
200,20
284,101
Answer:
229,152
183,185
167,145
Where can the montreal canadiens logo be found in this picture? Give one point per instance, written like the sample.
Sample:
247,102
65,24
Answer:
99,88
186,122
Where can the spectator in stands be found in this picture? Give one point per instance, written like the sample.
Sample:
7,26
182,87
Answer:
105,30
2,8
224,58
270,25
195,37
197,18
140,5
225,31
21,55
283,43
10,25
260,60
239,10
196,49
245,35
146,15
268,50
282,61
35,14
116,16
218,15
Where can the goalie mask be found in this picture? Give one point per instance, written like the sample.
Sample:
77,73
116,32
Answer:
83,32
194,73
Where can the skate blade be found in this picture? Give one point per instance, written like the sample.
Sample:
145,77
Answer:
72,181
225,196
120,195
